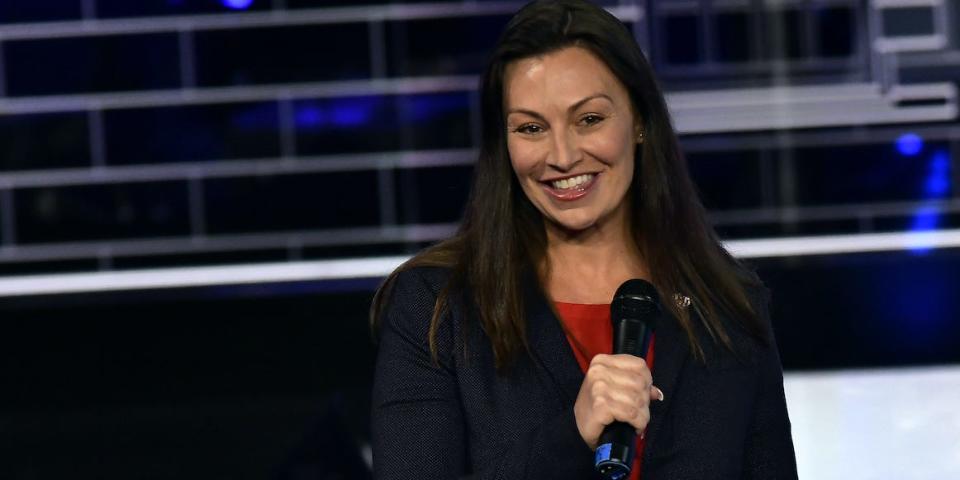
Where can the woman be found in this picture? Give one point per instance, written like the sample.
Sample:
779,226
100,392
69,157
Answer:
495,347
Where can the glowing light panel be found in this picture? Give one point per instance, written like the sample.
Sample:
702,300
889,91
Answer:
237,4
909,144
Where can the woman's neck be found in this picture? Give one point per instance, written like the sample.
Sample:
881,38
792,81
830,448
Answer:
587,266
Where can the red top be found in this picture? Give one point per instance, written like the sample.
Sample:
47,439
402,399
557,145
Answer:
590,332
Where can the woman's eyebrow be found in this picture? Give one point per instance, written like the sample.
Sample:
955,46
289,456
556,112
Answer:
586,99
571,108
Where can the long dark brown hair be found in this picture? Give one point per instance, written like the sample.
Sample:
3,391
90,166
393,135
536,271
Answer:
502,238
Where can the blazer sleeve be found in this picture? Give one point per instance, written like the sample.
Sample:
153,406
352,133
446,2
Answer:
769,453
419,430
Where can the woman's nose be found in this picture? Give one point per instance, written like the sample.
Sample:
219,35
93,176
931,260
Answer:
564,151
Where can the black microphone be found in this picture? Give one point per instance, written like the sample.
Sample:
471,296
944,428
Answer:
634,312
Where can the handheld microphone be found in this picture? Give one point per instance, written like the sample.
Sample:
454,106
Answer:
634,312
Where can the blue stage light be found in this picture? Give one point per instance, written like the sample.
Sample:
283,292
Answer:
338,113
909,144
310,116
926,218
351,115
237,4
423,108
937,184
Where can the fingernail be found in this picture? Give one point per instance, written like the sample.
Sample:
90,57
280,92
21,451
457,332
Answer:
659,393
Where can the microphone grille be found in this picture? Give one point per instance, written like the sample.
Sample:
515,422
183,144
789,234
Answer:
636,299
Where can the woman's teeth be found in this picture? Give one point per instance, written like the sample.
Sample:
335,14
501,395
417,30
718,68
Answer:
571,182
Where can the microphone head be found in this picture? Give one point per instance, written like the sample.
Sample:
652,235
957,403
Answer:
636,299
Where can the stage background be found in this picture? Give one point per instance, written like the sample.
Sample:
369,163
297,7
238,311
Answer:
197,199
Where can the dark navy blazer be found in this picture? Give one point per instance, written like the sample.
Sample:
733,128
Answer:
725,418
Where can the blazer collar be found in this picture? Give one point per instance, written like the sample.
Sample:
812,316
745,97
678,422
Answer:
549,347
671,352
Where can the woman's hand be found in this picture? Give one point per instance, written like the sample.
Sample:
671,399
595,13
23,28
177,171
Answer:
616,388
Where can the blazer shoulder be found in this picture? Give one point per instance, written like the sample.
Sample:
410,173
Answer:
419,284
411,301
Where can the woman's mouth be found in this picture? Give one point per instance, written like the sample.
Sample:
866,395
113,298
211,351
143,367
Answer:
571,188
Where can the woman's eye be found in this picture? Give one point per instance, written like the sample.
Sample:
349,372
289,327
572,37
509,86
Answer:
529,129
591,119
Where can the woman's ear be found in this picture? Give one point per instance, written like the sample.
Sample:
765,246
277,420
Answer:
638,129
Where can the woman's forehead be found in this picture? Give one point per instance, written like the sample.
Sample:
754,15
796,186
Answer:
564,76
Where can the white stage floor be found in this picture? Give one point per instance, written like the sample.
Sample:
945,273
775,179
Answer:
876,424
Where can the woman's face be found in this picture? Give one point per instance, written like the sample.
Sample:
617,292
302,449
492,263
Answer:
571,135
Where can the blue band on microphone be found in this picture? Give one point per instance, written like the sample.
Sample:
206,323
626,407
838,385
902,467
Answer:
611,468
603,453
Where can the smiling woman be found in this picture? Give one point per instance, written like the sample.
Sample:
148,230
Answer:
571,138
495,345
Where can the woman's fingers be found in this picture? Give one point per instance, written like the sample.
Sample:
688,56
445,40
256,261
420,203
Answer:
656,394
616,388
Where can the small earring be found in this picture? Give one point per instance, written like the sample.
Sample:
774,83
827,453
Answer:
640,137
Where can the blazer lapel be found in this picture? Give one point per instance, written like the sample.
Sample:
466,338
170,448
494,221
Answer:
549,347
671,352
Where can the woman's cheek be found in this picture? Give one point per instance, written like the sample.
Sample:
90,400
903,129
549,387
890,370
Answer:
523,158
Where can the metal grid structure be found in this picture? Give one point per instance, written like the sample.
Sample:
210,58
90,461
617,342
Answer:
765,108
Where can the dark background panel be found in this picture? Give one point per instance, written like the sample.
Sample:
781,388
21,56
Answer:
866,310
100,212
49,266
249,56
445,46
732,40
872,173
680,38
229,257
192,133
908,21
48,140
92,64
347,125
433,195
785,35
436,120
13,11
381,123
288,202
837,31
250,383
727,180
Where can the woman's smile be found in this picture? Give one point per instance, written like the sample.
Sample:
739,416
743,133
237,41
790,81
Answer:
570,188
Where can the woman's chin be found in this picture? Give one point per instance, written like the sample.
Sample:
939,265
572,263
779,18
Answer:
573,225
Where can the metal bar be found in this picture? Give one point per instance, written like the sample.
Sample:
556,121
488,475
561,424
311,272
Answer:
8,220
275,18
98,145
188,72
840,244
832,212
227,243
197,207
251,93
237,168
3,74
